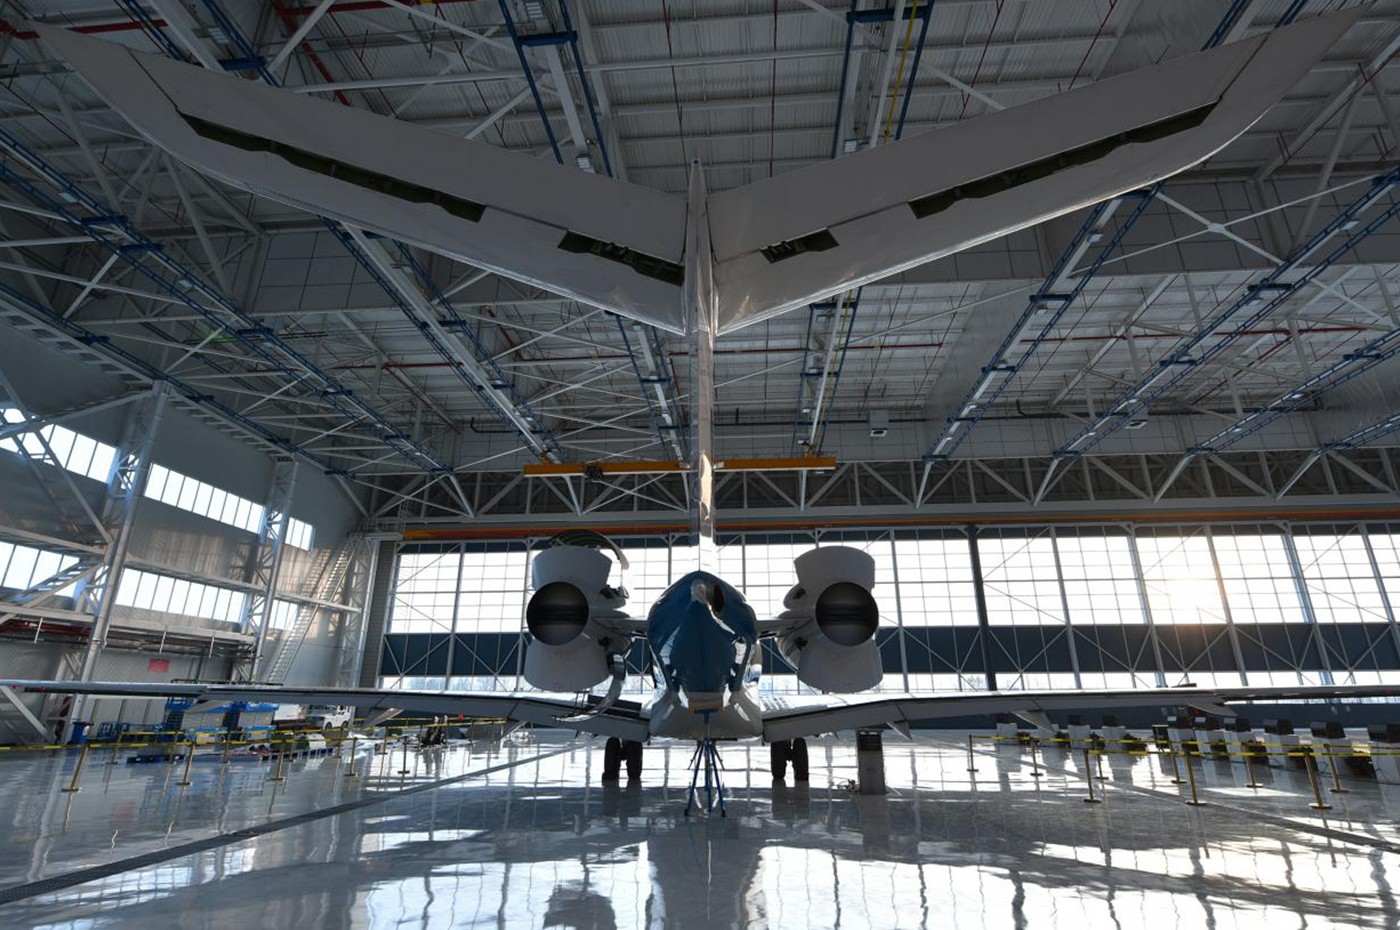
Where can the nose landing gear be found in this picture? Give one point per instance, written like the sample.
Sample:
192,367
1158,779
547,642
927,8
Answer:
706,761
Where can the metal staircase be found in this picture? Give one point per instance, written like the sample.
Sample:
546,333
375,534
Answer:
328,584
43,590
33,603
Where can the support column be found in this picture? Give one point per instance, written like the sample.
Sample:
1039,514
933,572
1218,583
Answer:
899,615
266,564
1064,607
1380,586
1225,606
1295,567
1160,673
381,589
354,622
125,486
984,626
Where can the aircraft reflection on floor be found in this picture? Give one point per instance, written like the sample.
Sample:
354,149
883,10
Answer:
530,848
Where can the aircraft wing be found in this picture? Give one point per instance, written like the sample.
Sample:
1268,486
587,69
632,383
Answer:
786,241
794,717
622,719
600,241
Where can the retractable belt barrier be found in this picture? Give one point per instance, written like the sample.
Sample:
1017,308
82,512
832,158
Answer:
1190,750
144,739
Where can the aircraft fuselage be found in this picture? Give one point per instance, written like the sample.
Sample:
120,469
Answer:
703,638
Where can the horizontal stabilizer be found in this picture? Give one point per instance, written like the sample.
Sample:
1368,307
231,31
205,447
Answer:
787,241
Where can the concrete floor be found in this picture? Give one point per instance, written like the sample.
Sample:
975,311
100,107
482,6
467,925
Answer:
520,835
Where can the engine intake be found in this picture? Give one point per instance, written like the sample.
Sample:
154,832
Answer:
846,613
557,613
834,617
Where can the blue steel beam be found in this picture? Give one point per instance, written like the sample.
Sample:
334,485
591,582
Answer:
416,299
530,80
845,77
496,392
658,389
1260,299
250,60
814,404
149,259
1362,436
1365,435
153,32
1348,368
100,342
587,89
1232,16
1051,298
658,381
1000,372
818,401
926,12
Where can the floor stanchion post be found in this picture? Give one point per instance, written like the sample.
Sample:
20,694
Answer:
350,773
281,754
77,770
1249,769
184,781
1191,778
1089,780
971,763
1176,770
1336,777
1035,762
1311,765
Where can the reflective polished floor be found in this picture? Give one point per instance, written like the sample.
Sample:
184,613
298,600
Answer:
521,835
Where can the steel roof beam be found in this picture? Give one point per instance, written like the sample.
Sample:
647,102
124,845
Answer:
1261,299
1056,295
1361,76
149,259
392,268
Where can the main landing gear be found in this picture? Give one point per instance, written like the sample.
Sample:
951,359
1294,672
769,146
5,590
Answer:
781,752
617,751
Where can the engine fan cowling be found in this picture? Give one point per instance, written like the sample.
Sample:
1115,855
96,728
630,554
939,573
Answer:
835,649
557,613
569,648
846,613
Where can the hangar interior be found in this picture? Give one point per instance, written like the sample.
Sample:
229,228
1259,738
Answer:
1150,443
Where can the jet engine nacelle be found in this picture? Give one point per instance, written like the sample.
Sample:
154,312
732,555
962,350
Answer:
834,650
570,648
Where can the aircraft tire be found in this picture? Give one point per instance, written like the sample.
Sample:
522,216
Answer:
632,753
778,752
798,754
612,759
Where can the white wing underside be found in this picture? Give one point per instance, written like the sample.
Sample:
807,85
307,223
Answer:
778,244
622,720
783,718
807,716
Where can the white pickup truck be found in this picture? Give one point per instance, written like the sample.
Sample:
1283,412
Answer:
324,716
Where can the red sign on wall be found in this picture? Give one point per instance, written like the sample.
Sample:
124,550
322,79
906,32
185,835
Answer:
158,665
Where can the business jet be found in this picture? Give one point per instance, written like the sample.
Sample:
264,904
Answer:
702,266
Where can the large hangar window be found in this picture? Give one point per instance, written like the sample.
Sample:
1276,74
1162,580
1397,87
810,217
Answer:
1179,575
1088,606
